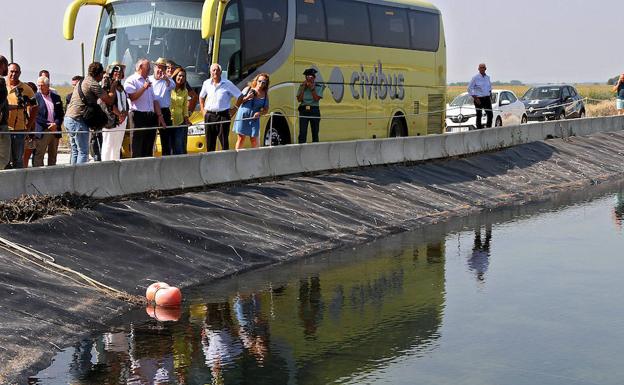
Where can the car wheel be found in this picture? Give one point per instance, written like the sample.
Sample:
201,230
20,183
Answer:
561,116
396,128
499,122
524,119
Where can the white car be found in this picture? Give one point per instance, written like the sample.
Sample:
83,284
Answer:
507,108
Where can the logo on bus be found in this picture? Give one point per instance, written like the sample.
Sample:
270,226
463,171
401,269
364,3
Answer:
372,85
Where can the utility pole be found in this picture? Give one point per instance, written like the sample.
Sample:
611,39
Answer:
82,55
11,49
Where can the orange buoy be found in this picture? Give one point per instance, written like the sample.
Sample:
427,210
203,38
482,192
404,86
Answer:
168,296
150,293
164,313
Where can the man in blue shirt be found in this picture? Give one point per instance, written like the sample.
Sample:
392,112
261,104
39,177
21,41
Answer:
480,88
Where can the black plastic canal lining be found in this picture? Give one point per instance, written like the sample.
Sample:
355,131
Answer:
196,237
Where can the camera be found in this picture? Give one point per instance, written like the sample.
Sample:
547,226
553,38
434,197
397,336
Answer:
23,101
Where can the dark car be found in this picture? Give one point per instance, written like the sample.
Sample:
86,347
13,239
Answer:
553,102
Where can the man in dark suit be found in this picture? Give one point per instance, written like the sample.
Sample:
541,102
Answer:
48,123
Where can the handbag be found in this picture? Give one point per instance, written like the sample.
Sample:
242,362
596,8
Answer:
93,114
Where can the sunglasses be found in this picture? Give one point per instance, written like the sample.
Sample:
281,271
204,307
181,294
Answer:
262,81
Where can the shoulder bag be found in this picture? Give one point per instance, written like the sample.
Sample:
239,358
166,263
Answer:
93,114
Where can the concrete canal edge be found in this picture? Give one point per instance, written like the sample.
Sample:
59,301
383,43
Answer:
118,178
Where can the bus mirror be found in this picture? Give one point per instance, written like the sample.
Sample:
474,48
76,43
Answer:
69,21
209,18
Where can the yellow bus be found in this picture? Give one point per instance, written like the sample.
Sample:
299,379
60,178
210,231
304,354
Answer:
383,61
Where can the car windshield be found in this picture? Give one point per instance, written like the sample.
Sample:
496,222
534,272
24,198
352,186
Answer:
133,30
466,100
539,93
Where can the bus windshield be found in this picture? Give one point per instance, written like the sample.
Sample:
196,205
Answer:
133,30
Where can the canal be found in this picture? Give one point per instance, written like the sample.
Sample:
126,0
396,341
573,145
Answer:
527,295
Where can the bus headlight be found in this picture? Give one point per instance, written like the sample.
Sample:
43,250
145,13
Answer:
197,129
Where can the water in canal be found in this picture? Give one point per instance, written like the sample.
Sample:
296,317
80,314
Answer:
529,295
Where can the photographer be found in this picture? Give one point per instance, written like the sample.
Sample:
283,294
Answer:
86,92
308,95
23,110
113,137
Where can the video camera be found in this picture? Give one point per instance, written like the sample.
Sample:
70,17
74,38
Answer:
23,101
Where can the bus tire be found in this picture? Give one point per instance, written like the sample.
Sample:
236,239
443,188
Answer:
398,127
279,135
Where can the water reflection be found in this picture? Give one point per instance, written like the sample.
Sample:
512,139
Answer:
319,326
479,260
618,210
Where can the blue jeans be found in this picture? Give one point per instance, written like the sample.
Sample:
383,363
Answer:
17,150
79,140
179,140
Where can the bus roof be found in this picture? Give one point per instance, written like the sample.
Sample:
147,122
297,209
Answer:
414,4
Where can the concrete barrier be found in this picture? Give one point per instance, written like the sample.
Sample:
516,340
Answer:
315,157
100,180
108,179
139,175
454,144
414,148
435,147
180,171
253,163
218,167
49,180
12,183
392,150
342,155
368,152
472,141
285,160
489,139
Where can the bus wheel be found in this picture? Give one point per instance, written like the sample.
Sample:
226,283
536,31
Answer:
278,135
397,127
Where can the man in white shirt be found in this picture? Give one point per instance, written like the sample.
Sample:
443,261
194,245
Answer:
480,88
162,86
215,100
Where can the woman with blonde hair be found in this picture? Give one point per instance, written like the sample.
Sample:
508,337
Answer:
619,90
254,103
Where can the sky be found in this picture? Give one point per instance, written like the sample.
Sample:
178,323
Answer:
535,41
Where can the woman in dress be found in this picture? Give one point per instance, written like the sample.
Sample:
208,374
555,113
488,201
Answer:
179,111
254,104
112,138
619,90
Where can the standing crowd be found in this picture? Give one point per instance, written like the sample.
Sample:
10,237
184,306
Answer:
155,100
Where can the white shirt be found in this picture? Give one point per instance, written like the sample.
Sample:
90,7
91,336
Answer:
162,90
146,102
218,97
480,86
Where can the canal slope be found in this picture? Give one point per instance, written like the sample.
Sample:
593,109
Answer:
196,237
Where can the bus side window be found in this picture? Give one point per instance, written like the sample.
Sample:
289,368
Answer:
311,20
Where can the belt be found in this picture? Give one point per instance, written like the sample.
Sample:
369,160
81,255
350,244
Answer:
218,112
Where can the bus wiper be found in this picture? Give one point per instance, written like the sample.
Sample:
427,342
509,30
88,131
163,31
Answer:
149,44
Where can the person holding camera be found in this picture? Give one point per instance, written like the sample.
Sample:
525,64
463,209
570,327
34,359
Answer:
85,96
308,95
22,112
112,139
215,101
254,104
5,139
